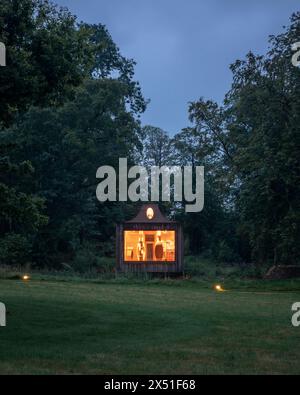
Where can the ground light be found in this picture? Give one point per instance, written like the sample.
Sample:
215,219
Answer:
219,288
26,277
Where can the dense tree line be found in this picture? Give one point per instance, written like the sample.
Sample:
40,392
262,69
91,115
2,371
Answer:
69,104
251,149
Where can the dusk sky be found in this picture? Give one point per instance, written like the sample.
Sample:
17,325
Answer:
183,48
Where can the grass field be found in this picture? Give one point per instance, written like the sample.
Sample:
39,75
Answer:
163,327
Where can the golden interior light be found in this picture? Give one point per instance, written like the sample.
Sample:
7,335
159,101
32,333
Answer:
149,246
150,213
25,277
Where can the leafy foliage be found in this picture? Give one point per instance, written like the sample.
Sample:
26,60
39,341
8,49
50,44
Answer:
69,105
250,148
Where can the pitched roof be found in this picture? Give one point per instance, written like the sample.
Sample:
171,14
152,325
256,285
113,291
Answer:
157,218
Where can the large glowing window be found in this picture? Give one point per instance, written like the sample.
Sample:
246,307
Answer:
149,246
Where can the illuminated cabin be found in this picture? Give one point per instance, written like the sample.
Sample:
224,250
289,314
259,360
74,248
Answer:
150,243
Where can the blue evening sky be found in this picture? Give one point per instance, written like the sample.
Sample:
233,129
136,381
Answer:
183,48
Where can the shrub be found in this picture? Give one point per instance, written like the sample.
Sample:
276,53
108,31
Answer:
224,253
87,260
15,249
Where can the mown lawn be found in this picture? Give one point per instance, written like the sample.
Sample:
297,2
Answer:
57,327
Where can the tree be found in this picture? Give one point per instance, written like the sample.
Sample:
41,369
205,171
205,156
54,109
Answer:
66,146
263,110
250,148
157,147
57,70
200,145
